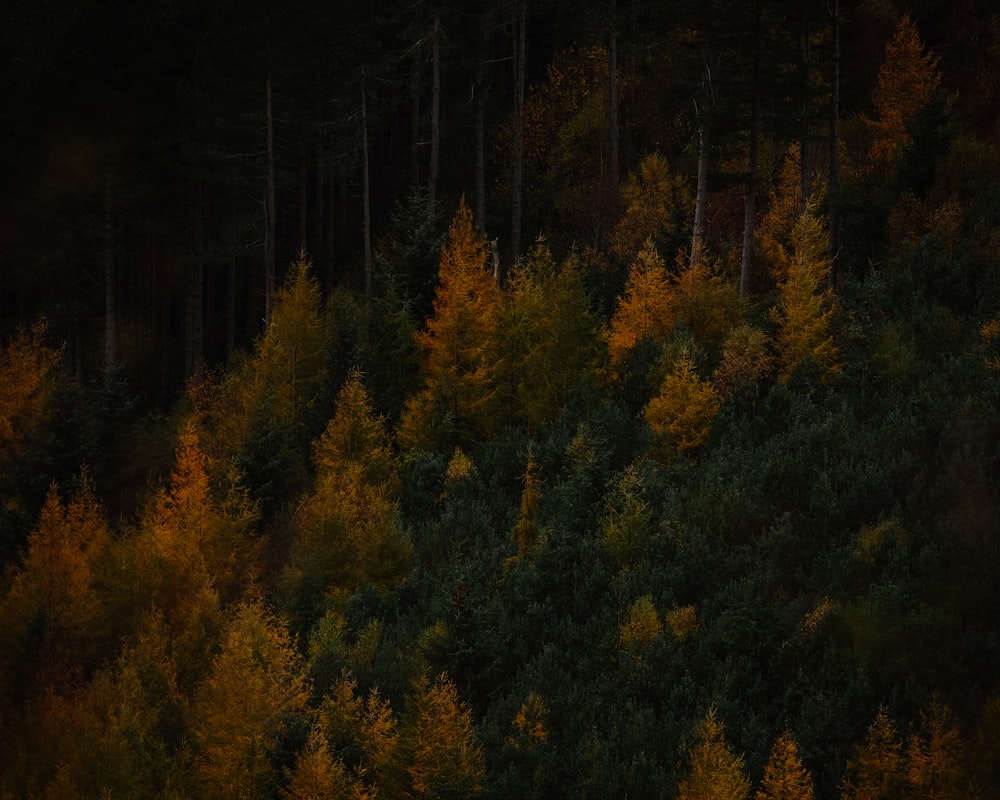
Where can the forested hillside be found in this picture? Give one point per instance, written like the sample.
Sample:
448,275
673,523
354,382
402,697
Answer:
500,399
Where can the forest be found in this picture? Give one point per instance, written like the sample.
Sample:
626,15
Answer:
500,398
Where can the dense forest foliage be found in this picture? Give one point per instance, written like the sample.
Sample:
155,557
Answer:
500,398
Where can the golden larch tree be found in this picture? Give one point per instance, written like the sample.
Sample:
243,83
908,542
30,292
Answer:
455,405
806,305
785,778
875,772
681,414
645,309
716,772
907,80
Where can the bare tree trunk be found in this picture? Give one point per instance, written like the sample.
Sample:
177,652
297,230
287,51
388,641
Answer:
367,197
518,154
432,179
750,199
269,210
805,161
613,158
415,120
111,354
303,199
701,195
834,143
194,336
480,90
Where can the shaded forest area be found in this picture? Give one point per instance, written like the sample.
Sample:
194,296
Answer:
448,400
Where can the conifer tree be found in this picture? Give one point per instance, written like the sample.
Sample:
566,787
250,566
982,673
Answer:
455,405
935,754
876,770
716,772
907,80
646,307
805,304
681,414
443,759
784,776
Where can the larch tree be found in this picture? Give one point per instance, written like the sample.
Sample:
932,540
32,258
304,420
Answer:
716,772
907,80
443,759
681,414
935,755
243,709
455,405
656,205
875,772
806,305
785,778
646,307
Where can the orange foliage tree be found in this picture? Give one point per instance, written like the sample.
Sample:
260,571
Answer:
681,415
716,772
456,403
646,307
784,776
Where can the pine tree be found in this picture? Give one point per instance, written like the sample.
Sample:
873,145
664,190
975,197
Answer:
716,772
784,776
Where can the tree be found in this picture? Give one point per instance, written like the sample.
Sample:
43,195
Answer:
907,80
646,307
716,772
681,415
443,759
805,303
935,755
241,714
656,206
876,770
784,776
455,404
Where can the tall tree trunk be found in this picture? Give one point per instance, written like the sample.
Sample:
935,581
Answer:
480,90
303,199
318,198
194,330
750,199
366,180
701,193
518,154
805,161
111,354
269,210
415,120
834,143
613,158
432,179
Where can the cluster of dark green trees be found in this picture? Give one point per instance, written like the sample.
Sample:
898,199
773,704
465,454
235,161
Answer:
695,494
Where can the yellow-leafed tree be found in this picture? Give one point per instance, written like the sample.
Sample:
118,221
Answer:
876,770
455,405
907,80
806,306
242,709
716,772
681,415
784,776
646,307
443,759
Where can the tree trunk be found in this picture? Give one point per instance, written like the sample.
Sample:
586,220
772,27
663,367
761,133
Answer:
750,199
110,281
367,197
415,120
518,154
480,90
269,210
303,199
613,159
701,196
805,162
194,336
834,143
432,178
